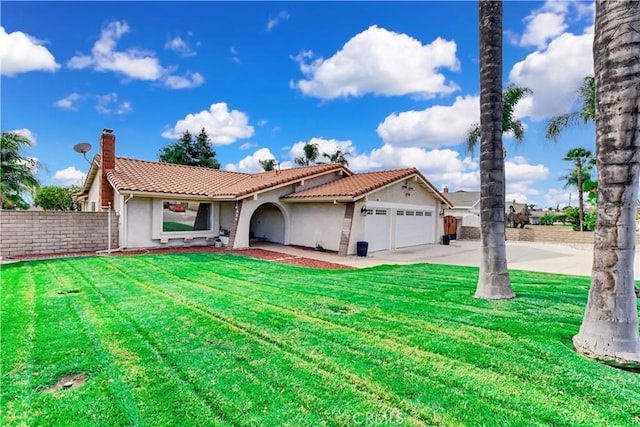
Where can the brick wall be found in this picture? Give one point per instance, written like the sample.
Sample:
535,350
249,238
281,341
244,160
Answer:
46,232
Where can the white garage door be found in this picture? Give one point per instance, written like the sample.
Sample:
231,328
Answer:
376,229
414,227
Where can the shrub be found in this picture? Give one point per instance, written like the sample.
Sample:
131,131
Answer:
589,221
550,219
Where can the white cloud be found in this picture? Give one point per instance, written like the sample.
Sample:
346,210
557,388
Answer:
328,146
223,126
274,22
69,176
542,26
433,127
180,46
554,90
189,80
560,197
444,167
235,55
248,145
251,163
134,63
66,103
27,134
21,53
108,104
381,62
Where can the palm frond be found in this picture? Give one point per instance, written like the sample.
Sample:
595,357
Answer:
472,138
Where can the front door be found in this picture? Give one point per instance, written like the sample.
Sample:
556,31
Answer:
450,226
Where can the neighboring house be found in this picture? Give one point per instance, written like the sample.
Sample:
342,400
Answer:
324,205
466,208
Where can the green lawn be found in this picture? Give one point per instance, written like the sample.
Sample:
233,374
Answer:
219,339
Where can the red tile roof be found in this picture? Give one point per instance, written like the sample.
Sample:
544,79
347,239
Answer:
155,177
166,178
266,180
356,186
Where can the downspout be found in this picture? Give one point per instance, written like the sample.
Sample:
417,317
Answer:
125,217
124,234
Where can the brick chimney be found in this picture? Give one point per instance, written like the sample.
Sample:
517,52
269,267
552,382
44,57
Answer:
446,189
108,163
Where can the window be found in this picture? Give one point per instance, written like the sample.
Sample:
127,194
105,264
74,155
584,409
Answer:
381,211
410,213
93,206
183,216
428,213
400,213
419,213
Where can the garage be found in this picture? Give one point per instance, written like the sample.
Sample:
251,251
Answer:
398,228
414,227
376,228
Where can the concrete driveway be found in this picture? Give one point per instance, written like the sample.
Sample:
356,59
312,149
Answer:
545,257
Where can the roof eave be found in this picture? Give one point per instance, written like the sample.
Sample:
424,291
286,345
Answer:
319,199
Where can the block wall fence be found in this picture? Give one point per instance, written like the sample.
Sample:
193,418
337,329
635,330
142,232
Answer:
539,233
49,232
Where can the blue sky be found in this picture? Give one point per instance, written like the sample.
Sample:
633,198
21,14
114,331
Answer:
393,83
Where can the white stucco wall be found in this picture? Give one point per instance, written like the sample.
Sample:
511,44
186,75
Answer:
143,217
94,196
313,223
250,205
227,215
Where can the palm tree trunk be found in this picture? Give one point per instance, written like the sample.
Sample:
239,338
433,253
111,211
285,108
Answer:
609,329
580,194
493,280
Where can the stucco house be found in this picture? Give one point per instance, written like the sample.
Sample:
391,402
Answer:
161,204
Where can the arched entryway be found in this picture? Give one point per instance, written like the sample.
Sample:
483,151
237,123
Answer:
267,225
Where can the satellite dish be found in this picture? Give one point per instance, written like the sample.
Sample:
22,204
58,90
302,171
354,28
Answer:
83,148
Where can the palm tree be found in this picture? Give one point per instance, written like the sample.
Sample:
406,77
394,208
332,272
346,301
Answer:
510,98
311,153
581,158
609,329
337,157
493,280
587,93
268,164
17,173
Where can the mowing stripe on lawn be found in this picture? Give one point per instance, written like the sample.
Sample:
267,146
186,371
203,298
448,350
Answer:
18,329
145,368
526,364
253,334
179,284
109,370
284,345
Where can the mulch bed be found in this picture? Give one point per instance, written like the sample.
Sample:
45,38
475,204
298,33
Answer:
263,254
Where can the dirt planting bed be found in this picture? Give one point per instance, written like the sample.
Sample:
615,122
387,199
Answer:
251,252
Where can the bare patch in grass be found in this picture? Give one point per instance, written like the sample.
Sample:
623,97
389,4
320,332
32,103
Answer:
68,382
69,292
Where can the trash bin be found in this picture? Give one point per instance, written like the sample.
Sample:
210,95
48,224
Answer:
362,248
445,239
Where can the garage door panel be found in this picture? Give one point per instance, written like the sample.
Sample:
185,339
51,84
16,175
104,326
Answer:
376,230
414,227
